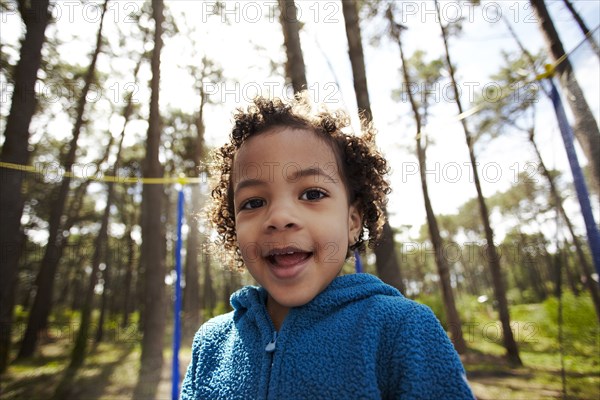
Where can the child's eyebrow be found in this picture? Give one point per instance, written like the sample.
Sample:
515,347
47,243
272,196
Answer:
306,172
249,182
311,171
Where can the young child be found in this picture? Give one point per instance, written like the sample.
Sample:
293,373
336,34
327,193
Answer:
296,196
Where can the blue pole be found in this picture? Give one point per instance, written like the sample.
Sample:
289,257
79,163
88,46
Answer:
177,311
578,180
357,262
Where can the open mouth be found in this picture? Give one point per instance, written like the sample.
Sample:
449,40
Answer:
288,259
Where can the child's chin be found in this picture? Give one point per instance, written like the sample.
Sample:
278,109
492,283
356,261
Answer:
288,300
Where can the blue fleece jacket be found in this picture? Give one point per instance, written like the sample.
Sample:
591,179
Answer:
358,339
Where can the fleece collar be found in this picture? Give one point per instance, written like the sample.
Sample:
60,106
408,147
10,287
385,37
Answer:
343,289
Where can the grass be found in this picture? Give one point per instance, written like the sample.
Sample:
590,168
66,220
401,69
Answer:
535,327
111,369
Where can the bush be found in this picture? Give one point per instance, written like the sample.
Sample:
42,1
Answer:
435,302
580,323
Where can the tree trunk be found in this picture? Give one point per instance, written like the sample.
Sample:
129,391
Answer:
130,286
140,289
586,269
585,127
153,238
357,59
209,299
78,352
128,279
76,291
74,209
16,134
42,305
100,253
63,295
103,303
452,315
294,67
572,277
191,292
590,284
583,27
230,284
127,112
386,260
116,286
493,258
530,265
191,295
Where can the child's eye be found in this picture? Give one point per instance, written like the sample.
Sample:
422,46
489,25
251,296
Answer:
252,204
313,194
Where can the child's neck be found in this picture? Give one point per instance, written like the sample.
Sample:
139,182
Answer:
276,311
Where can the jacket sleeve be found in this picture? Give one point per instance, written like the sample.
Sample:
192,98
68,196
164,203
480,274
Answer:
189,388
423,363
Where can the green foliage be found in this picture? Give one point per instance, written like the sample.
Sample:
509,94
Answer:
220,308
524,203
469,217
580,324
525,199
472,310
112,368
423,75
535,328
435,302
514,295
513,98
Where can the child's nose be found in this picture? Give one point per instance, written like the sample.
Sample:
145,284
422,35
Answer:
281,216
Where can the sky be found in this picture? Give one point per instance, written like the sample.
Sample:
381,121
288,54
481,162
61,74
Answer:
252,40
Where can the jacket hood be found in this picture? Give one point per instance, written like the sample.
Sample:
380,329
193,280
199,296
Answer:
343,289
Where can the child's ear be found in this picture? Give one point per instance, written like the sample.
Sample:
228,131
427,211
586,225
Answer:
355,219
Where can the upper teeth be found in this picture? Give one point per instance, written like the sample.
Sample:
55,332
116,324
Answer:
279,253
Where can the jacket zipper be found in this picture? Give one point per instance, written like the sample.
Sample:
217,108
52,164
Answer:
270,348
271,345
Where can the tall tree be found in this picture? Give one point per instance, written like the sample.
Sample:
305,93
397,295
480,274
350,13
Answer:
42,305
505,113
153,237
429,75
586,269
127,114
585,125
208,299
78,352
191,295
386,260
493,257
357,58
584,264
129,217
294,67
583,27
35,15
100,248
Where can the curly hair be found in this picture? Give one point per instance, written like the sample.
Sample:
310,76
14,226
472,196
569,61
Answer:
361,166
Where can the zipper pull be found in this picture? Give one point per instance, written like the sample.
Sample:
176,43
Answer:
271,345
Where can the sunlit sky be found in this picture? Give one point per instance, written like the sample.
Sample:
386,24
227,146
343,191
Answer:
476,53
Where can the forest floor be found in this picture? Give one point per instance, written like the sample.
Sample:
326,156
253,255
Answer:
111,368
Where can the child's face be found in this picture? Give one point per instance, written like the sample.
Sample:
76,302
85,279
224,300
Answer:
292,217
